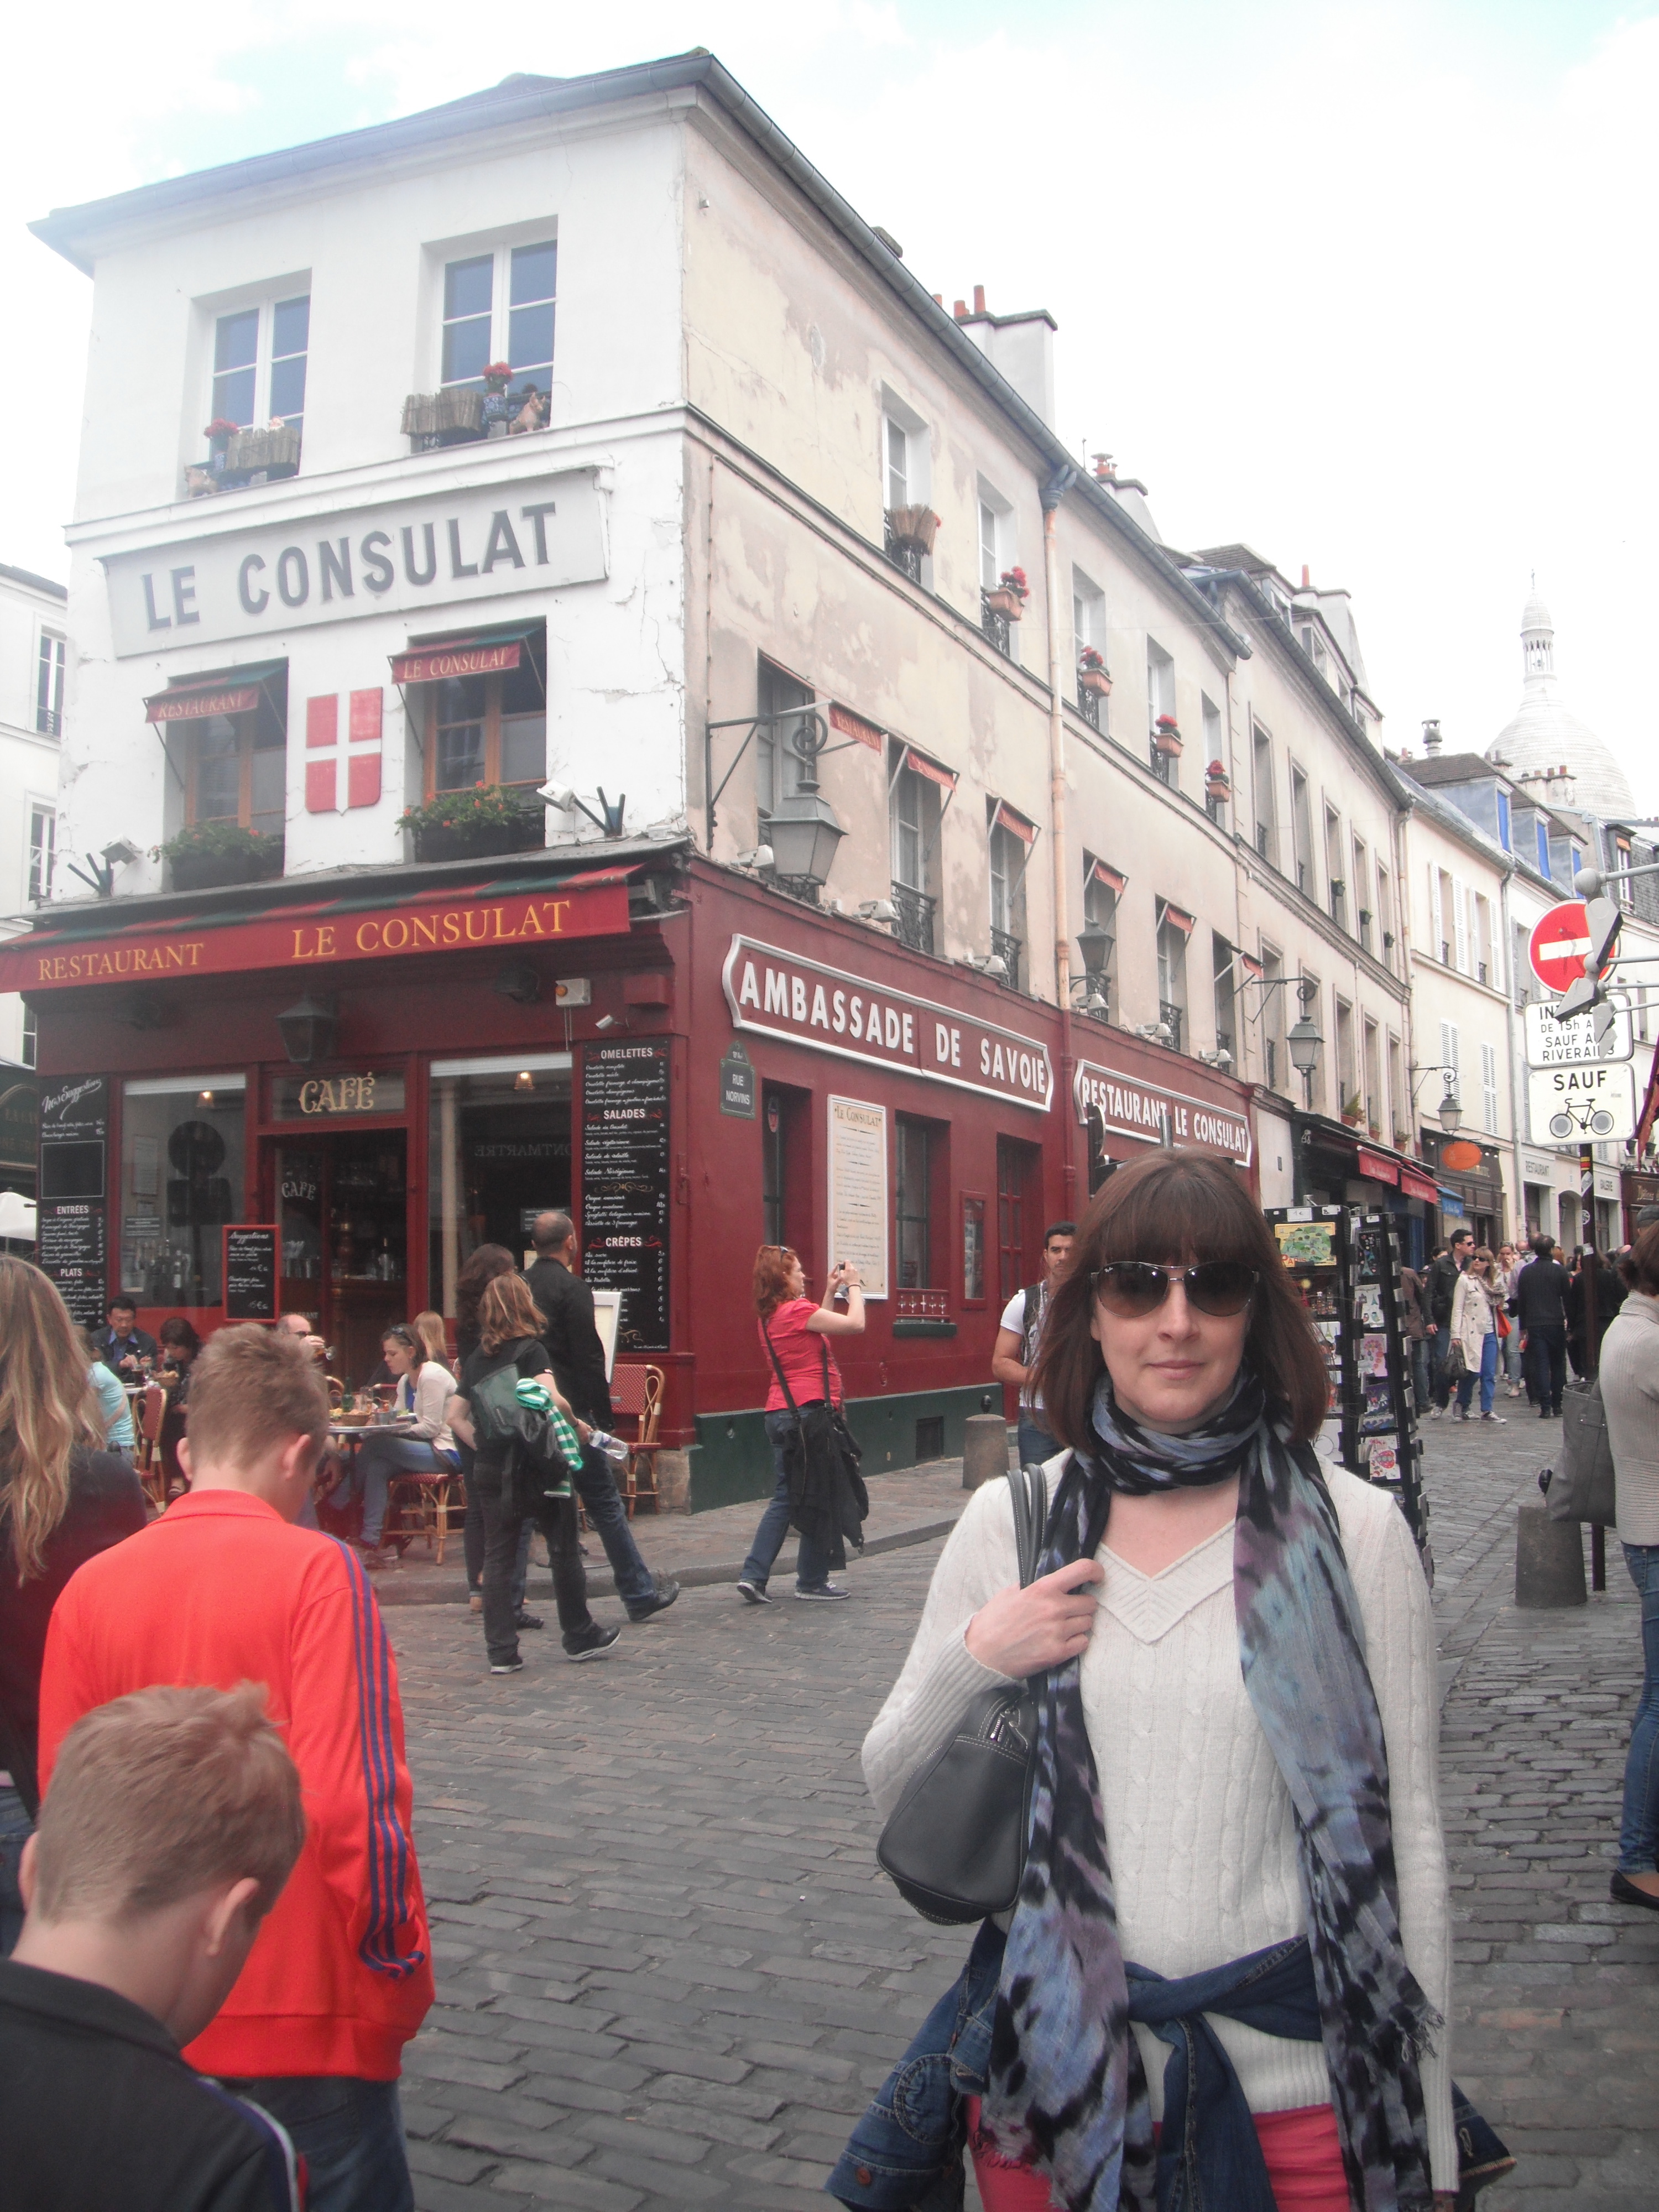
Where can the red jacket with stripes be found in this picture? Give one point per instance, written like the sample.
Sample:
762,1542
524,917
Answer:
222,1590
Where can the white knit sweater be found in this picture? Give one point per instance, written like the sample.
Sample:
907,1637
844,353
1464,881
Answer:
1199,1830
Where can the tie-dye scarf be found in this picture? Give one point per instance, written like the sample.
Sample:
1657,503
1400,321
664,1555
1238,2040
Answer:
1066,2088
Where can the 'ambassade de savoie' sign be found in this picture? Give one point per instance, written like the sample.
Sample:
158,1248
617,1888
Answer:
400,556
1129,1109
777,994
303,938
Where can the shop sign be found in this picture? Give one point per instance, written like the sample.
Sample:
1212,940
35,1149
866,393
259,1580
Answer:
738,1084
625,1185
1606,1182
1539,1167
70,1228
394,556
858,1190
776,993
251,1254
432,663
1129,1109
326,1097
201,706
591,906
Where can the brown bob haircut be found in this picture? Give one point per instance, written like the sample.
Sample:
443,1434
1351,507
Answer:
1181,1207
1640,1264
507,1312
163,1793
773,1263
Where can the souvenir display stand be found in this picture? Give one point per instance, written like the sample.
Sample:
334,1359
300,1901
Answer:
1346,1263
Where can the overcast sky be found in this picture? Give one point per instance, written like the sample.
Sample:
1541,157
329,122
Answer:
1369,286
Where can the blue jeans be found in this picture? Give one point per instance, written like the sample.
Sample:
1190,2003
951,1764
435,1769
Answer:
1036,1446
378,1458
1638,1833
16,1829
811,1566
596,1487
1422,1379
1509,1355
1488,1377
350,2134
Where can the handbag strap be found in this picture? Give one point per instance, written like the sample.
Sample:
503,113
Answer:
783,1380
1027,1488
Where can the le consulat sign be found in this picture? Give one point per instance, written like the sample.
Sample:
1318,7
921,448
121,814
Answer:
399,555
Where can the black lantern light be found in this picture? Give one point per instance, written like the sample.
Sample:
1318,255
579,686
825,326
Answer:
308,1029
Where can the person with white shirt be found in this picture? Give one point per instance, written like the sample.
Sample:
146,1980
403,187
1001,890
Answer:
1233,1650
424,1443
1019,1341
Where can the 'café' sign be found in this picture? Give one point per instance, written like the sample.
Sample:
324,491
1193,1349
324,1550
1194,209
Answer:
399,556
1129,1109
777,994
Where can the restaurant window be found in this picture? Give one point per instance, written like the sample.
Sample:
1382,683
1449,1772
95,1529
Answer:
973,1249
488,729
500,1153
913,1186
237,765
183,1149
499,306
786,1196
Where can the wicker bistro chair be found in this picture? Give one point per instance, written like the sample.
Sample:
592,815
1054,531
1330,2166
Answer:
151,1410
636,1395
420,1507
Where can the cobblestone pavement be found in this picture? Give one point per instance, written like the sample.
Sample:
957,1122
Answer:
670,1974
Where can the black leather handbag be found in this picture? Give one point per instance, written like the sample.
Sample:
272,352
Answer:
955,1842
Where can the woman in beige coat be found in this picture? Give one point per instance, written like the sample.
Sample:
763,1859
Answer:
1476,1303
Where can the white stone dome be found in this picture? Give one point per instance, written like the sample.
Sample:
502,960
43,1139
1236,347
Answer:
1544,735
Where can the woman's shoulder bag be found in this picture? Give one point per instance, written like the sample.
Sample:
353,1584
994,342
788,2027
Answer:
955,1842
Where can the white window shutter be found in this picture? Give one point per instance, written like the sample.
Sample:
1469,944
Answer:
1436,918
1489,1088
1461,926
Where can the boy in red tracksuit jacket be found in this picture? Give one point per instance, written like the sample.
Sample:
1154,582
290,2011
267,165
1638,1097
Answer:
224,1589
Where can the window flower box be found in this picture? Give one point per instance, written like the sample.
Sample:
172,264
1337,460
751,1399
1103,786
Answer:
442,418
482,824
913,527
276,450
1008,598
1092,673
218,855
1217,784
1166,737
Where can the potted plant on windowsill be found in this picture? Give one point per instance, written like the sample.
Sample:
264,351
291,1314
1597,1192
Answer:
913,528
1402,1141
1092,673
1166,736
213,855
1009,598
1217,784
488,820
1353,1112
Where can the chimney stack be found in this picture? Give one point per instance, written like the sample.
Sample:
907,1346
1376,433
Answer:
1105,467
960,311
1431,740
979,299
1307,580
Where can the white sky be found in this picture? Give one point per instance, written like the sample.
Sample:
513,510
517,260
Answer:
1369,286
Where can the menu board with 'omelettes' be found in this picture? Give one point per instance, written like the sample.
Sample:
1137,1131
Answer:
625,1196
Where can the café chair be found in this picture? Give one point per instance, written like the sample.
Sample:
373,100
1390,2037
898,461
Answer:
419,1506
151,1410
636,1395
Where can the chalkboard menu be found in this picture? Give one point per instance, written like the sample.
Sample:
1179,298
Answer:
72,1246
625,1195
251,1254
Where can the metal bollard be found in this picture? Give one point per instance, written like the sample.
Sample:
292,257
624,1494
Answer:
1549,1560
984,1449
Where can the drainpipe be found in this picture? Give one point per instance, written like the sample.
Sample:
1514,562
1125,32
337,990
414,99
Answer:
1516,1099
1059,851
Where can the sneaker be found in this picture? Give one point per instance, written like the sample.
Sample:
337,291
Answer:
528,1621
506,1666
1435,1412
475,1601
1458,1414
753,1593
1498,1418
377,1555
593,1645
825,1596
667,1592
1543,1412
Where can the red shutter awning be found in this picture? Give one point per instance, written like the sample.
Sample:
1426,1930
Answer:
1006,818
945,777
1183,921
854,725
1100,873
1377,1167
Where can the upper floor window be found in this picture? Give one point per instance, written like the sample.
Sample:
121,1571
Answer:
897,452
49,684
487,729
1089,642
1175,926
259,363
1359,885
1302,831
1102,889
1334,879
906,486
498,307
777,762
1261,786
1010,840
43,837
237,769
917,796
1161,710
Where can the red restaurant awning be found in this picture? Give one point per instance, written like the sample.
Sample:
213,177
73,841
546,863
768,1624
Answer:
187,706
1413,1185
461,656
1377,1166
306,938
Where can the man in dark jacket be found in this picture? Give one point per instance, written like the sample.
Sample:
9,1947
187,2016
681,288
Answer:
1440,1287
1540,1304
577,1359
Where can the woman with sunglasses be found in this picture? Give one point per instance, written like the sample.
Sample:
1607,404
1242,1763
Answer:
424,1443
1234,1842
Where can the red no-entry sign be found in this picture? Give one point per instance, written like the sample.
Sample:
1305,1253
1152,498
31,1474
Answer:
1558,944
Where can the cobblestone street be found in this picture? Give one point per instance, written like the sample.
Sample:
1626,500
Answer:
670,1973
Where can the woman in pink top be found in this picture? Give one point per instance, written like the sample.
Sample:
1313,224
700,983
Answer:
793,1330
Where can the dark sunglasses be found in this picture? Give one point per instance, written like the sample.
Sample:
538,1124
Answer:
1133,1288
403,1335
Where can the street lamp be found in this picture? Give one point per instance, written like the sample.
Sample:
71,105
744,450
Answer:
1095,943
1304,1040
1451,1113
307,1029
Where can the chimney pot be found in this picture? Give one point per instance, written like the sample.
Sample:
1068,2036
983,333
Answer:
979,299
938,299
961,311
1431,736
1306,580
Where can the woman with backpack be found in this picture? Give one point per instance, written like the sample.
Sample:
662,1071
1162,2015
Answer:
510,1323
